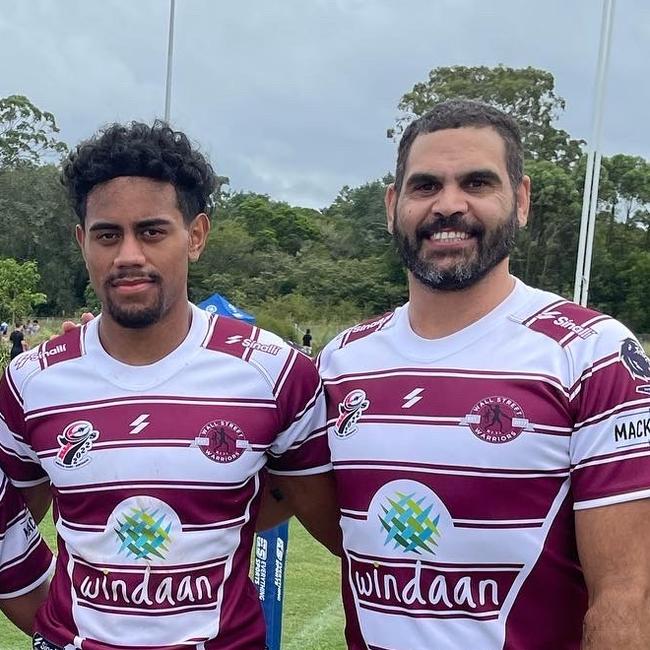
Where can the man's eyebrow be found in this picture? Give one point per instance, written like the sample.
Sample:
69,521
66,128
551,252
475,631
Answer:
418,178
145,223
482,174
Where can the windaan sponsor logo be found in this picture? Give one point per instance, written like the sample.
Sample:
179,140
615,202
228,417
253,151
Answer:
632,429
144,534
635,360
350,410
408,525
436,590
268,348
40,354
566,323
221,441
75,442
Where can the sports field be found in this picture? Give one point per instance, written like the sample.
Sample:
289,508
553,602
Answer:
313,616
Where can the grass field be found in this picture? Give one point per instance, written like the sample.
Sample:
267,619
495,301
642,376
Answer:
313,615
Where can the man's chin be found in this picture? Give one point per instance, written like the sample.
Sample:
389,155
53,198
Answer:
135,318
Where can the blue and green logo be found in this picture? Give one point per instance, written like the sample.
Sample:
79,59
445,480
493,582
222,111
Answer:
408,525
144,534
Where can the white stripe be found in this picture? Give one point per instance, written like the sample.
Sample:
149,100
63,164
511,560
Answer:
212,323
302,472
432,612
460,568
498,522
287,370
644,402
152,569
608,501
148,610
452,472
588,373
173,486
311,437
190,402
614,459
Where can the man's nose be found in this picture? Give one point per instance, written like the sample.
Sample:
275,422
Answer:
449,200
130,252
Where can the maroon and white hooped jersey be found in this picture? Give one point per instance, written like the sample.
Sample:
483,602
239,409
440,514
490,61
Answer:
25,559
460,462
157,473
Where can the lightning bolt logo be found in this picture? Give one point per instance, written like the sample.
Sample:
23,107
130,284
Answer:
412,398
236,338
139,424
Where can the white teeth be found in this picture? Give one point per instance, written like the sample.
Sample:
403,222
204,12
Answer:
447,235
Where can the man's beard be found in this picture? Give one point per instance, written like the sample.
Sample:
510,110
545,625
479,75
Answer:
492,246
135,316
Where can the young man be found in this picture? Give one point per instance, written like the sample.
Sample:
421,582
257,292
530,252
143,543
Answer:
25,560
489,439
155,422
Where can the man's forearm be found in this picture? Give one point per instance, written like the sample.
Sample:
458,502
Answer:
619,621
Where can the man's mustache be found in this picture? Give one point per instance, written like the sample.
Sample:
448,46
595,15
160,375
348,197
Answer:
453,222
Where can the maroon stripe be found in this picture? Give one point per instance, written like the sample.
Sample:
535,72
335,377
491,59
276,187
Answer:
403,612
591,369
190,566
291,357
611,479
563,471
314,452
589,324
301,388
34,565
20,469
454,398
94,508
454,566
605,390
12,411
553,598
466,497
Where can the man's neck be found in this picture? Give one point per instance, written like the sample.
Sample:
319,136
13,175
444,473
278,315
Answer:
434,314
140,347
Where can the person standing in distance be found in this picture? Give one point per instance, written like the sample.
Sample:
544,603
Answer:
485,435
156,423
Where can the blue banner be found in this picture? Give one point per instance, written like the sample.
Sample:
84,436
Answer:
268,576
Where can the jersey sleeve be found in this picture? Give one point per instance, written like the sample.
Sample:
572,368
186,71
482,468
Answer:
25,560
610,452
301,448
17,458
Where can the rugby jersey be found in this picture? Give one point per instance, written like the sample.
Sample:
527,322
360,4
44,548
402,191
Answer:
25,560
156,474
459,464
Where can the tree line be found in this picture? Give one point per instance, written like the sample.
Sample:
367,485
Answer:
292,264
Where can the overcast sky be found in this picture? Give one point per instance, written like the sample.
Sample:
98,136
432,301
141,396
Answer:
292,98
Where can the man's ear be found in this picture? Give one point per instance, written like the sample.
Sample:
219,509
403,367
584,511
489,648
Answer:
80,236
390,201
523,201
198,236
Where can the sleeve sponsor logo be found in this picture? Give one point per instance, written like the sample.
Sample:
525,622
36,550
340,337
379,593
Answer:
22,359
267,348
497,419
635,360
221,441
75,442
566,323
350,410
630,430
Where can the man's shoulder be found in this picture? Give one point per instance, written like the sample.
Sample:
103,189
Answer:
61,349
257,347
350,338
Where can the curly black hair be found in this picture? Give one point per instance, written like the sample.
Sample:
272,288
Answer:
138,149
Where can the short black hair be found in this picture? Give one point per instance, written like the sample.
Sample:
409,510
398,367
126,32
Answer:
137,149
458,113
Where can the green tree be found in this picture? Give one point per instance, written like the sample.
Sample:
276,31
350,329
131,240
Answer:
26,133
18,288
528,94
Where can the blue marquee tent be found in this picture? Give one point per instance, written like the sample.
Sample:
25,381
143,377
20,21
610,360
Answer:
218,304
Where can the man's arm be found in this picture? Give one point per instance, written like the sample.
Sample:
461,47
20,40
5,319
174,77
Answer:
614,549
311,498
38,499
22,609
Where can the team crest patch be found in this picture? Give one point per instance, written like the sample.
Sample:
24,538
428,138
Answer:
75,442
497,419
221,441
635,359
350,410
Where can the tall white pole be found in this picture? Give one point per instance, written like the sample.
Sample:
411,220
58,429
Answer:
170,58
592,174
